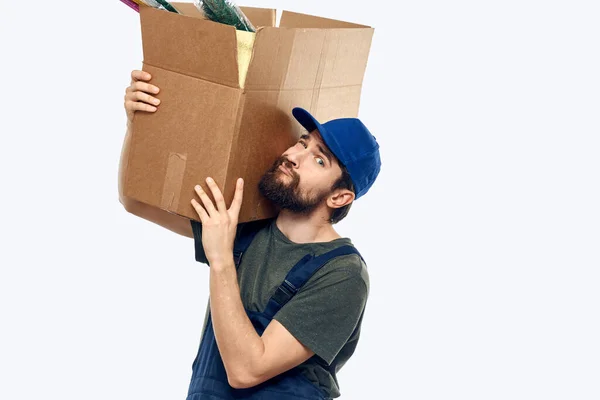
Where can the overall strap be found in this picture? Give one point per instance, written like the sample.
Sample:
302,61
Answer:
244,237
300,274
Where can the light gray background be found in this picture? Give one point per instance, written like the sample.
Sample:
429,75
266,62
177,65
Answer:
481,233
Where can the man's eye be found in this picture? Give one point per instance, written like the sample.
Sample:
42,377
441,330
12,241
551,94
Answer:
303,144
322,162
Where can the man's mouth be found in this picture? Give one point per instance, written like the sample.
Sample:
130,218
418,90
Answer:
285,171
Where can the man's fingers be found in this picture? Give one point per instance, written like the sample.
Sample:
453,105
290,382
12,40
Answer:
236,204
138,75
146,87
141,96
200,210
142,87
217,195
138,106
138,95
208,204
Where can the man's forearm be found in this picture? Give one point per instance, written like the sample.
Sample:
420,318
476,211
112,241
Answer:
239,344
123,163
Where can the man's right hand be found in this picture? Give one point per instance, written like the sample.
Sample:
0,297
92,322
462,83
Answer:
138,94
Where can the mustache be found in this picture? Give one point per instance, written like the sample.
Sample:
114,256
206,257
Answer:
282,161
287,164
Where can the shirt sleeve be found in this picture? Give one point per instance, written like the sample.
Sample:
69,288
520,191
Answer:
327,309
198,248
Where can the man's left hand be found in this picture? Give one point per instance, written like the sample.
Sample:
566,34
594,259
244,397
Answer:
219,224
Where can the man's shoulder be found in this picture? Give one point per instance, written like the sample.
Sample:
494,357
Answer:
251,229
347,266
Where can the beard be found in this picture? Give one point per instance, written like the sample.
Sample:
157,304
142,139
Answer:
284,192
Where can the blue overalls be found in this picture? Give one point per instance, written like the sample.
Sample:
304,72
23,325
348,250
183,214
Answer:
209,379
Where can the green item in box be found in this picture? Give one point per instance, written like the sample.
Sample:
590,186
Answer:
225,12
167,6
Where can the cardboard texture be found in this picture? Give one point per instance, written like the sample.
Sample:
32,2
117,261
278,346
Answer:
226,100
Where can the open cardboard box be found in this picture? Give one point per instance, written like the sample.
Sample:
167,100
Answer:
226,100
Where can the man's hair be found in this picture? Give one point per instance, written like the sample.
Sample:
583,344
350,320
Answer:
343,182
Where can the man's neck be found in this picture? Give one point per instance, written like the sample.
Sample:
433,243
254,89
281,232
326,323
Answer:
305,229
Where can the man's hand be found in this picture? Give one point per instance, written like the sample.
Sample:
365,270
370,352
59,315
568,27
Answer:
136,94
219,224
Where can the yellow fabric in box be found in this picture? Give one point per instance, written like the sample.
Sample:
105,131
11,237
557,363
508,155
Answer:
245,43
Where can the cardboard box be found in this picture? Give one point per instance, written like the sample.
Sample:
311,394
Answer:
226,100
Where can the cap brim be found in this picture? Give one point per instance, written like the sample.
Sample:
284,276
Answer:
305,119
310,123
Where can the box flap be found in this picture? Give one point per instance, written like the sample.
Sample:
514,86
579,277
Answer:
263,133
188,45
296,20
308,58
260,16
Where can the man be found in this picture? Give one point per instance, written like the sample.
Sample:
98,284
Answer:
282,322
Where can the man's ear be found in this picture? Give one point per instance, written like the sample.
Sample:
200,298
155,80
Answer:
340,198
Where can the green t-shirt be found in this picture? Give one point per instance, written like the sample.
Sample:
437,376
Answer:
326,313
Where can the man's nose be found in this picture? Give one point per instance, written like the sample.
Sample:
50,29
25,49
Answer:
293,159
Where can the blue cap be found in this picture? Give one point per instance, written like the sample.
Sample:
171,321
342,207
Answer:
353,145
